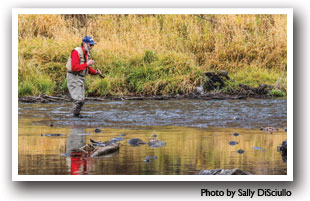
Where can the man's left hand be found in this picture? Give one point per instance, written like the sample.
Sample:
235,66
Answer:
99,72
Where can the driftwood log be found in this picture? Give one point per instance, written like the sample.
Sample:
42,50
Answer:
106,150
43,99
89,150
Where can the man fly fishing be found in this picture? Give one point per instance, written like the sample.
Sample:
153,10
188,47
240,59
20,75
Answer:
78,66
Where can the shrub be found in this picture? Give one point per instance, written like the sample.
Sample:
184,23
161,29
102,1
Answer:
277,93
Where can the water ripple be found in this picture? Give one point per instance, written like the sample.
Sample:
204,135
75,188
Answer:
253,113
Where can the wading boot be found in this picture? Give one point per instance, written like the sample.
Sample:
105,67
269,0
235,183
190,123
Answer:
77,115
77,106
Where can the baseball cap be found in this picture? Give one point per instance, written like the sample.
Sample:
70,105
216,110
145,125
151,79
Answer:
88,39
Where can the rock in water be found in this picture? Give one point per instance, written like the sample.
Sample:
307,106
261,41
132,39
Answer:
236,134
97,130
240,151
223,172
232,143
135,142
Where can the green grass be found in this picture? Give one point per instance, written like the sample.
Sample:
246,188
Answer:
253,76
277,93
36,85
161,55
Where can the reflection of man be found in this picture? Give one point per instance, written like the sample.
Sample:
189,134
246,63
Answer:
75,140
78,163
78,65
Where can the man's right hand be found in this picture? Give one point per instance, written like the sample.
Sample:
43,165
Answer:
90,62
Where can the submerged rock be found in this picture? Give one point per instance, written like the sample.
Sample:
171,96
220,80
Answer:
235,171
240,151
135,142
232,143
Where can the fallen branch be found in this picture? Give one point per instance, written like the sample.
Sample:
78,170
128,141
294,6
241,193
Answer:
54,98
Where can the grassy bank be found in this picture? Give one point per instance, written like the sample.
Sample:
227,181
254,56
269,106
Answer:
152,54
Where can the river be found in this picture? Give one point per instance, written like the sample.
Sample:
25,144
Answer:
197,135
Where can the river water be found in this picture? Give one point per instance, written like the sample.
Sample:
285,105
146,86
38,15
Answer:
197,135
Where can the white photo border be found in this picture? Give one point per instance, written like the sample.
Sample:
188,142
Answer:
17,177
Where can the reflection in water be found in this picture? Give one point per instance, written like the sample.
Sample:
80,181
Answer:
79,162
283,150
186,150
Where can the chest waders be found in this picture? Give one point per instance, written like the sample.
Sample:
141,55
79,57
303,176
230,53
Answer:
75,83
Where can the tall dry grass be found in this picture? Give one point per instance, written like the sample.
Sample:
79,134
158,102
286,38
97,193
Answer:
152,54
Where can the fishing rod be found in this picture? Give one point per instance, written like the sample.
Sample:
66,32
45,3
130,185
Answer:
102,76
